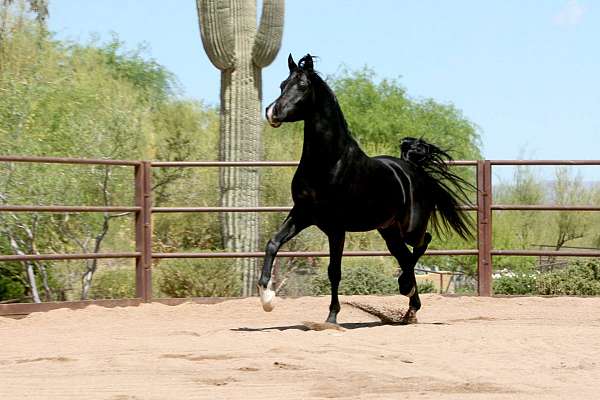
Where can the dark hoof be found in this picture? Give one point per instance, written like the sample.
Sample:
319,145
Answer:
331,319
409,318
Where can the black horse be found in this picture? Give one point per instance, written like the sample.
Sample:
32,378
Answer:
338,188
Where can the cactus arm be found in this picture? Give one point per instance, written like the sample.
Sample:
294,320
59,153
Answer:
216,31
270,32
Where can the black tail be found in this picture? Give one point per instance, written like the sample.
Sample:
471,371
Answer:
448,189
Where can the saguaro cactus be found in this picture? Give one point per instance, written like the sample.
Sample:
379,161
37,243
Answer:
240,50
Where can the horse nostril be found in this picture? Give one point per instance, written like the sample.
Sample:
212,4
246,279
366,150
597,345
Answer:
271,111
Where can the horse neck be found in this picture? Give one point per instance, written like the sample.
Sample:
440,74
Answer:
326,135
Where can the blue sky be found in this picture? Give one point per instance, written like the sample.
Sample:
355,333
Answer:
526,72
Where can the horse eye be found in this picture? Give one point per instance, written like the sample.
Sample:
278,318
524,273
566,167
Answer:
302,84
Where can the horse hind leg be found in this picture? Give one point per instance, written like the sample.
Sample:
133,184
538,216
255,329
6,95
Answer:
414,303
406,260
418,251
407,283
414,257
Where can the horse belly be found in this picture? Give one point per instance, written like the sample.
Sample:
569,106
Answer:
359,217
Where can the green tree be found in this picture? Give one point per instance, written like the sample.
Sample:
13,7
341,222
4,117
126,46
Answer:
569,190
518,229
38,7
87,101
379,114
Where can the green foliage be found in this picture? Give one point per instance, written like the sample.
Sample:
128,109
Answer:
552,229
364,276
11,282
426,287
190,278
87,101
359,279
517,230
380,114
152,80
466,290
570,190
518,284
582,278
39,8
113,284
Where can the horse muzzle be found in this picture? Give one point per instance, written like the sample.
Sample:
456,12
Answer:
270,117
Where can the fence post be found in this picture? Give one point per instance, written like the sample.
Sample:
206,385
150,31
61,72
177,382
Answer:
143,231
484,227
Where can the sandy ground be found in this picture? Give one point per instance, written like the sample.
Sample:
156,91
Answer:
462,348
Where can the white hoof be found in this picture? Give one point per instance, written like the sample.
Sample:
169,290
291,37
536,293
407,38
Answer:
267,296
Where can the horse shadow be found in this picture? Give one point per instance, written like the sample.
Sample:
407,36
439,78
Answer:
345,325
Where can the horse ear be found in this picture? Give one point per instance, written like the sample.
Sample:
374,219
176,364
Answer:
306,63
291,64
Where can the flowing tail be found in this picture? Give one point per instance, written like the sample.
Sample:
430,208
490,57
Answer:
448,189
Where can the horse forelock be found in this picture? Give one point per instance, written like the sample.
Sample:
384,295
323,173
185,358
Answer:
307,58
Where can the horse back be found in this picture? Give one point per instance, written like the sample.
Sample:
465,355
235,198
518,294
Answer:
363,193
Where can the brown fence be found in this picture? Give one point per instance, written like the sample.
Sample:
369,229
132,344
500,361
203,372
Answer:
143,209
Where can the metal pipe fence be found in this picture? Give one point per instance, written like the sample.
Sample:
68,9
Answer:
143,210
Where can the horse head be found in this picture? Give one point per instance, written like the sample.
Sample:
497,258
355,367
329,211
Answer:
296,93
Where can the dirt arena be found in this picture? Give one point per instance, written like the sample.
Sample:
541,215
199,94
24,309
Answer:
462,348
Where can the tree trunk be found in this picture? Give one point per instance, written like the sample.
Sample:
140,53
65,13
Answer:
35,294
44,274
86,279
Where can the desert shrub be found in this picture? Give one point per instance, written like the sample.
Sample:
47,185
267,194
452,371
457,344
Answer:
359,276
364,276
113,284
466,290
581,278
426,287
517,284
11,289
192,278
11,281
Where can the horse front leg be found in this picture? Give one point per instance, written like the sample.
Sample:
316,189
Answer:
290,228
334,271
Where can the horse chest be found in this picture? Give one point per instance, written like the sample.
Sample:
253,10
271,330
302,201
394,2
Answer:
308,195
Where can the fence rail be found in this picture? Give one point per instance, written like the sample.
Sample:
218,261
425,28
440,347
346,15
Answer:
143,211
